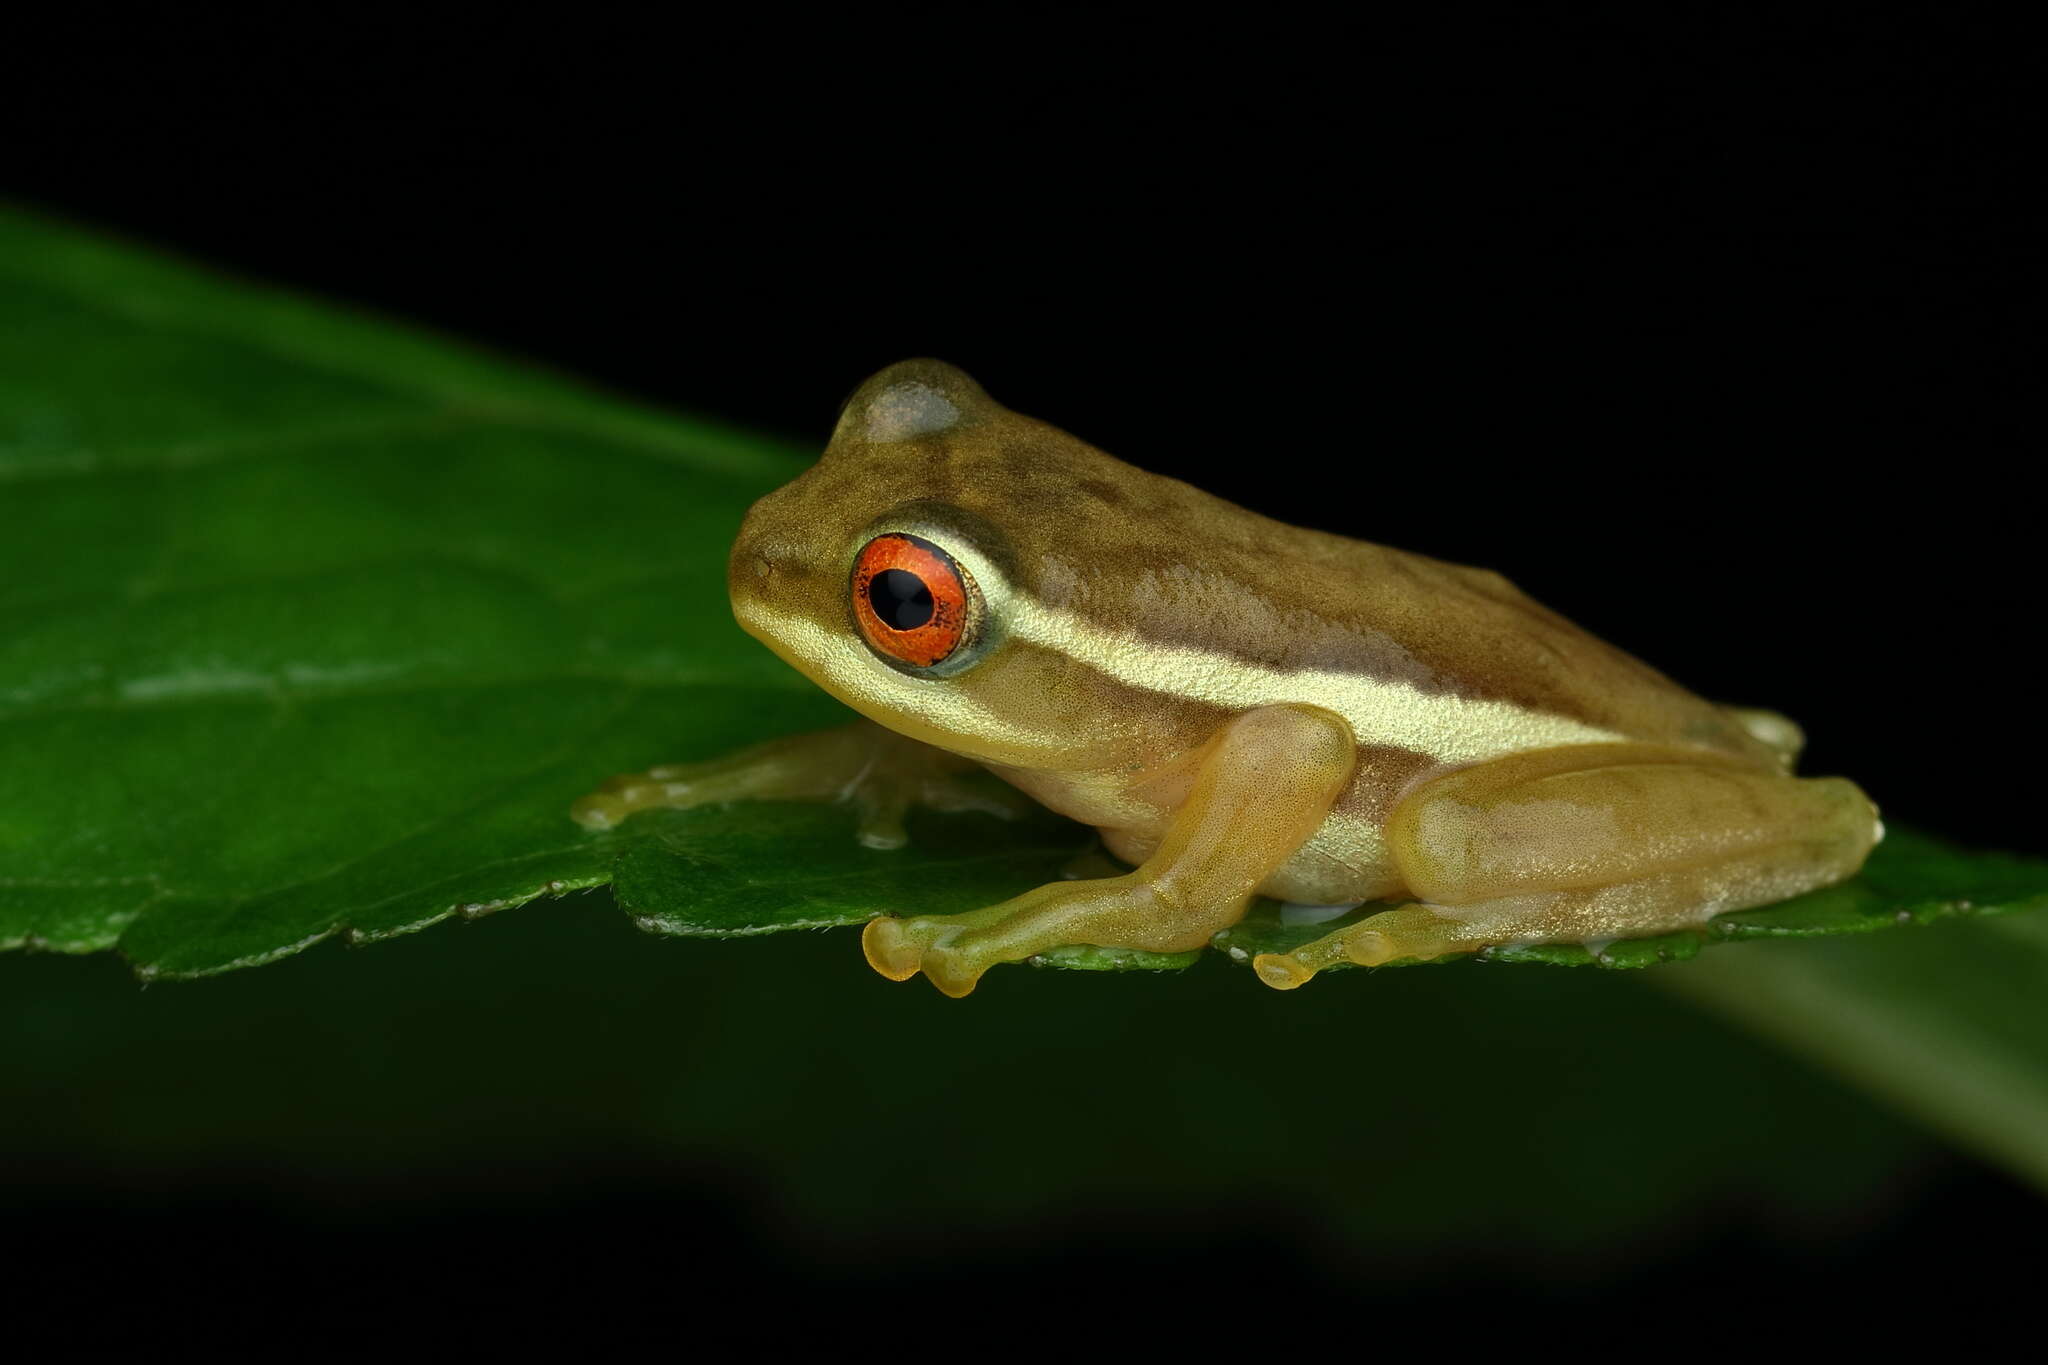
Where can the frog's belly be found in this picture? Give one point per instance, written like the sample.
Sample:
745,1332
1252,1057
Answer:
1344,861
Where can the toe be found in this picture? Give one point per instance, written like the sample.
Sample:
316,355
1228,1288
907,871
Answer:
597,811
952,972
1281,971
889,949
1369,948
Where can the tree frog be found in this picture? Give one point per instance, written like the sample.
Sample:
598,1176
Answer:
1239,707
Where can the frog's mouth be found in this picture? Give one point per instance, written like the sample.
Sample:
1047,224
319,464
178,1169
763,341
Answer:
773,585
786,604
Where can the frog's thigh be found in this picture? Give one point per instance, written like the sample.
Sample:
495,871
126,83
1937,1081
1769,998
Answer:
1561,846
1264,786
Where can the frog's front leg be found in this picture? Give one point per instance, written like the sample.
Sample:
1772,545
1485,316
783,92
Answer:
1592,843
881,773
1262,788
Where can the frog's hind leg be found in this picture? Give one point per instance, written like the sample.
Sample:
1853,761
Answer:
1593,843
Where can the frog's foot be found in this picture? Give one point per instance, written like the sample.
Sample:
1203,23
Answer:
880,773
900,948
1130,911
622,795
1411,931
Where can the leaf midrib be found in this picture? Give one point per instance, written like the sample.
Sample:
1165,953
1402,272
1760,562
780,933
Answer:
286,702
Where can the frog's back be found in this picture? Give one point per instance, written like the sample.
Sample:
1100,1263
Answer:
1472,640
1420,655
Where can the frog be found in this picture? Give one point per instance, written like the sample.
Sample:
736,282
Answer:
1238,707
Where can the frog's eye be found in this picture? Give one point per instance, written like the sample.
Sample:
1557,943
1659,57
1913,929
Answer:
913,602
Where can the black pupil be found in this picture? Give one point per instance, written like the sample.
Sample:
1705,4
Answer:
900,598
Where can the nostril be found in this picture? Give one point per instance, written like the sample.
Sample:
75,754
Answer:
762,567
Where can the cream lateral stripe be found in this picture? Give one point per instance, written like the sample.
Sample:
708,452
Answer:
844,667
1448,729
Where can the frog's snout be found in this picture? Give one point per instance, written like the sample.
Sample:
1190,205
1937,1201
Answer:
770,583
756,568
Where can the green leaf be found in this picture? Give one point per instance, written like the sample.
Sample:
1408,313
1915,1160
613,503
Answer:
729,873
311,626
769,866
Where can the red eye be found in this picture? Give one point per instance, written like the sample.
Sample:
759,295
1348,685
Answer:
910,599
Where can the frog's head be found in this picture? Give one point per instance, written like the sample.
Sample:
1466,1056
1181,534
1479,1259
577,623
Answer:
948,567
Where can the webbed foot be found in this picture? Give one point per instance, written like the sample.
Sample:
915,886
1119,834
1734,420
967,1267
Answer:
1410,931
901,948
953,951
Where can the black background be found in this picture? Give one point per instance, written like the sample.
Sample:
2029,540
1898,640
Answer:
1714,336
